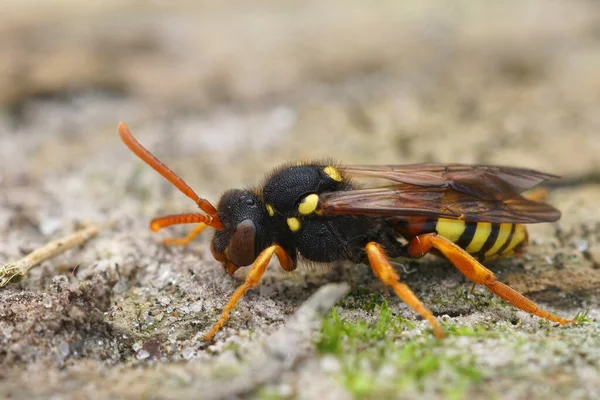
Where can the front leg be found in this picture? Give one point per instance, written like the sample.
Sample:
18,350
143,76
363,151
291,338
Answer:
256,272
184,241
476,272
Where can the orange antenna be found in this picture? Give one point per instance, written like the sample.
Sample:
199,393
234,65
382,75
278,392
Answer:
162,169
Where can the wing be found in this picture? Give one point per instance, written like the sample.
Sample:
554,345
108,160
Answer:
471,193
484,182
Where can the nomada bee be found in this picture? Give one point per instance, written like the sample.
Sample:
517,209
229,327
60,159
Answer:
465,213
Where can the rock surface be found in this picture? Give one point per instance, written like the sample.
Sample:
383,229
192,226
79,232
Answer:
222,93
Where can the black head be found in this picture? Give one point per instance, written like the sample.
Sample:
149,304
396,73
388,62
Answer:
245,230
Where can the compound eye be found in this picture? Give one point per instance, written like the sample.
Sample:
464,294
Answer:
241,248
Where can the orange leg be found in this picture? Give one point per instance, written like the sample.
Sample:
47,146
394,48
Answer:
257,270
162,222
189,237
472,269
384,271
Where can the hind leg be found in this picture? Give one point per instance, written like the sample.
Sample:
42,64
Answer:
476,272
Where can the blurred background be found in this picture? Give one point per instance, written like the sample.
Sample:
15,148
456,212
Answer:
224,91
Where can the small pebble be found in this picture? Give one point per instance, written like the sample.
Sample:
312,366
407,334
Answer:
7,331
63,349
18,308
188,353
330,364
581,245
142,355
285,390
196,306
388,371
164,300
47,301
49,226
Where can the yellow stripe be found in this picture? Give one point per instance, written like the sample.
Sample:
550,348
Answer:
451,229
500,240
517,238
482,232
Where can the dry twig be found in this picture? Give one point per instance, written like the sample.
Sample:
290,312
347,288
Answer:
13,272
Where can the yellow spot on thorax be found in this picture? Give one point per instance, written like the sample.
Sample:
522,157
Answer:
270,210
308,204
333,173
482,232
294,224
451,229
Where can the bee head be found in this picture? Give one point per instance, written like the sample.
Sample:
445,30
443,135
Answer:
244,234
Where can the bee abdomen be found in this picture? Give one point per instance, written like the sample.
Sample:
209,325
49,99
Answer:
483,239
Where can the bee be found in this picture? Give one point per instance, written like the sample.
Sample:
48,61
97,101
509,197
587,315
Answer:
318,211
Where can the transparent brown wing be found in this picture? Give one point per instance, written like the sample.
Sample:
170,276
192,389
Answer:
485,182
404,200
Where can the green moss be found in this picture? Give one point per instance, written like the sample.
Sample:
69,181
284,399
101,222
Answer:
463,330
377,361
336,332
582,317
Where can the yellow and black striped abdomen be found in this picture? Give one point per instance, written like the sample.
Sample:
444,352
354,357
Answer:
483,239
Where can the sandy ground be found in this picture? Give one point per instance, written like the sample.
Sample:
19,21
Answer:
223,93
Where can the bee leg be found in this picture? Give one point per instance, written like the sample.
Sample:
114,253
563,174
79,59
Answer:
472,269
187,239
383,270
257,270
162,222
